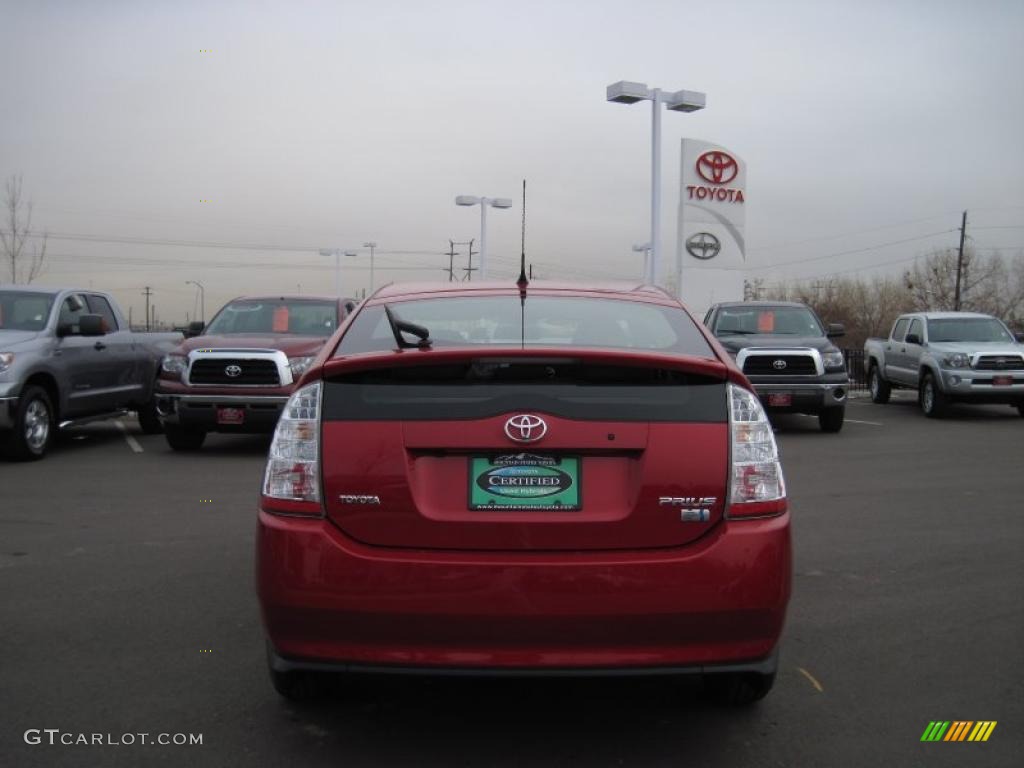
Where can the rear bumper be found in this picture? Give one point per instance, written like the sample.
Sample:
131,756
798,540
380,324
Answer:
200,411
327,600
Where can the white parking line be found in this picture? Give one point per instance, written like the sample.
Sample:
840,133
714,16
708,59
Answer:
132,442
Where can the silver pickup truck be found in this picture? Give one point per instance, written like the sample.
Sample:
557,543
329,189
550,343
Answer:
947,357
67,356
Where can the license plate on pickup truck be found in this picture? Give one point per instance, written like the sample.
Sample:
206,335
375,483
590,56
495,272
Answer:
780,398
1002,381
524,482
233,416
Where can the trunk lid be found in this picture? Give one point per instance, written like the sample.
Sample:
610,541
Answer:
528,451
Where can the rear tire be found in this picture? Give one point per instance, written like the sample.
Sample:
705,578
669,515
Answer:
183,439
931,399
1020,409
738,689
34,426
831,419
880,389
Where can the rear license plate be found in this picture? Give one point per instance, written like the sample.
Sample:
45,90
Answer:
780,398
524,482
1002,381
230,415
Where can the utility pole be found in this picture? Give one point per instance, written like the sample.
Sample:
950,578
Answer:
960,262
452,253
531,271
147,293
470,269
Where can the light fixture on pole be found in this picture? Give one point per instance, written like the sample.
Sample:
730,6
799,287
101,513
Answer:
645,247
483,202
202,297
336,253
624,92
371,246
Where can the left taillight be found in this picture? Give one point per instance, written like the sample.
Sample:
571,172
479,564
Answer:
291,482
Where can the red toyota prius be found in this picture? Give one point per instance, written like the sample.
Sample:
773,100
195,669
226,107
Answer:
545,479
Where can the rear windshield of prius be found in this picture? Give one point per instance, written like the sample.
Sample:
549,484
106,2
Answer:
782,321
542,321
23,311
968,329
274,316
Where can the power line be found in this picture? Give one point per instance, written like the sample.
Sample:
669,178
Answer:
852,251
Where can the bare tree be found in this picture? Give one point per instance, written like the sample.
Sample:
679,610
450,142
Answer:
24,262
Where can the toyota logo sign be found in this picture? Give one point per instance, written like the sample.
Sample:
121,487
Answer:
234,371
717,167
526,428
779,365
703,245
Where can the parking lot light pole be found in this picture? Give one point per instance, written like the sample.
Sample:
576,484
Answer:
336,253
625,92
483,202
371,246
202,298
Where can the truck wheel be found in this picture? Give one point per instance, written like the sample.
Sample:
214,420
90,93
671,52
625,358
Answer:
831,419
33,430
148,419
1020,408
930,397
880,389
737,689
182,439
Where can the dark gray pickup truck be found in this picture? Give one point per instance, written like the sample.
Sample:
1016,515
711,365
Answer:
788,355
67,356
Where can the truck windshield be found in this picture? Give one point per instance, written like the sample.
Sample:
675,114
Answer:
968,329
24,311
544,321
276,316
779,321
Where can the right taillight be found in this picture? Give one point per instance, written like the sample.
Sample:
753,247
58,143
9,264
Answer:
756,486
292,477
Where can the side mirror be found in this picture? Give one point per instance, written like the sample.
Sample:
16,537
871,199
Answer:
195,328
835,330
1020,338
91,325
912,338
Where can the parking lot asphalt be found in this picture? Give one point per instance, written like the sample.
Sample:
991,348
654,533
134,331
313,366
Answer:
127,606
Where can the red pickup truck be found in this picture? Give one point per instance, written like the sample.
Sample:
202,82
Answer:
237,373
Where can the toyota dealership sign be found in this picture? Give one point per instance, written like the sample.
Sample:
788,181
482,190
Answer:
710,246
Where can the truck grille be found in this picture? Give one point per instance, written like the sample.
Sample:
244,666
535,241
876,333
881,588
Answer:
768,365
1000,363
250,372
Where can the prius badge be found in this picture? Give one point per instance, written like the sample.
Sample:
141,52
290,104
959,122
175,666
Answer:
693,509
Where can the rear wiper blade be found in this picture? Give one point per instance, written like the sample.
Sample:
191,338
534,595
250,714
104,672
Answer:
399,326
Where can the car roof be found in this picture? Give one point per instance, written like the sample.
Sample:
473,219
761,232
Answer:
292,297
952,315
761,303
611,289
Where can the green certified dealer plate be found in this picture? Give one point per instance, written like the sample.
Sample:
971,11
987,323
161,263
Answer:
524,481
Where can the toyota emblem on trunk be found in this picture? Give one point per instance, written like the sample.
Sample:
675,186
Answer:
526,428
779,365
234,371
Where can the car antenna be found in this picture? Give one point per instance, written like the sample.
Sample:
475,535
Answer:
399,326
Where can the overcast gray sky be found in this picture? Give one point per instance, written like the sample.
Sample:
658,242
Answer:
325,124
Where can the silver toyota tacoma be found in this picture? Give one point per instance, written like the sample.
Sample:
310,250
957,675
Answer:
947,357
67,356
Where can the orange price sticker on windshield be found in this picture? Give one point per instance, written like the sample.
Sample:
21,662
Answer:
765,322
280,321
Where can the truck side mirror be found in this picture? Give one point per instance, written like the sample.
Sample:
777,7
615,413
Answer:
91,325
835,330
912,338
195,328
